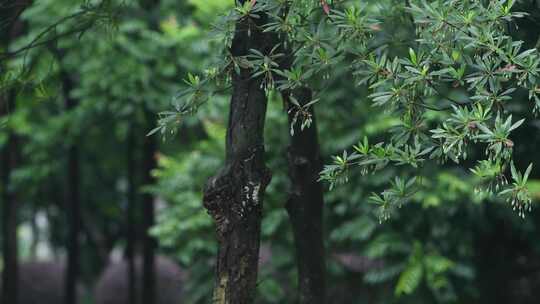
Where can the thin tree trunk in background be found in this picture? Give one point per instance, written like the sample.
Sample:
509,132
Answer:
234,197
10,273
131,211
35,233
305,205
72,203
149,243
11,27
151,8
305,202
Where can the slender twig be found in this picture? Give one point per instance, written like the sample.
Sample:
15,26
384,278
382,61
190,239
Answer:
454,101
35,42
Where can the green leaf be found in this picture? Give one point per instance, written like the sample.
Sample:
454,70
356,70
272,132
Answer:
409,279
527,173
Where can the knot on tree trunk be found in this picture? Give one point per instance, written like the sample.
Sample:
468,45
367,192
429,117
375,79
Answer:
234,194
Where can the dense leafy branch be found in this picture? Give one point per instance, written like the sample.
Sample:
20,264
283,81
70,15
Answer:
463,65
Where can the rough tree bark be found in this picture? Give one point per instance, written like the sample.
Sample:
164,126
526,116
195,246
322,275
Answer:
149,242
234,196
131,211
73,213
305,204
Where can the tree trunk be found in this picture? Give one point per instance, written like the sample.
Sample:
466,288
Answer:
10,273
72,203
149,243
35,232
151,7
234,197
305,205
131,211
10,29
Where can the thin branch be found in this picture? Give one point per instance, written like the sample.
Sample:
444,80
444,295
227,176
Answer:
35,43
454,101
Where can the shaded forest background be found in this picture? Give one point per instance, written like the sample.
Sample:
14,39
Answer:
88,191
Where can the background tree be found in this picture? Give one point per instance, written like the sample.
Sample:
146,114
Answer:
72,202
13,27
131,215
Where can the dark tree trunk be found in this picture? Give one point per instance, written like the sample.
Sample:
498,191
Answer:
149,243
234,197
149,162
131,213
10,274
72,203
11,27
35,232
305,205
